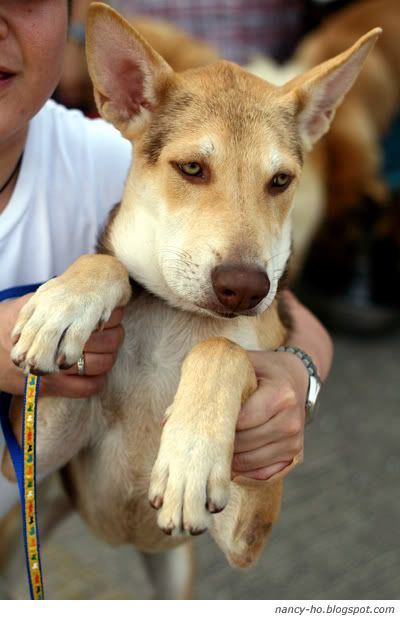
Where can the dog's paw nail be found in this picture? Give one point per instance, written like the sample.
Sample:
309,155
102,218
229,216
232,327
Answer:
194,531
60,361
15,339
18,360
37,372
156,502
213,508
65,366
167,530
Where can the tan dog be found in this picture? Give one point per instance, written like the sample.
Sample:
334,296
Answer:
346,167
354,145
204,229
181,51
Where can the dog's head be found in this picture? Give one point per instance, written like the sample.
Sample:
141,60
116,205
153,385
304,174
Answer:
205,219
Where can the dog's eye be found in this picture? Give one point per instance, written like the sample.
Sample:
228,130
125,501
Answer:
280,181
192,169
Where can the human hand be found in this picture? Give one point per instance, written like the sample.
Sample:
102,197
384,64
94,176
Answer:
270,428
100,354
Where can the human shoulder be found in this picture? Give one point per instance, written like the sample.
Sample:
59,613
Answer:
79,135
79,164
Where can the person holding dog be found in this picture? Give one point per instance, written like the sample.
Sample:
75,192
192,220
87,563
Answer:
60,176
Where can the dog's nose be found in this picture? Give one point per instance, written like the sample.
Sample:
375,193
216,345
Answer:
239,288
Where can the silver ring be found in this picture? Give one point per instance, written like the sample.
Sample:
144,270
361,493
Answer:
81,365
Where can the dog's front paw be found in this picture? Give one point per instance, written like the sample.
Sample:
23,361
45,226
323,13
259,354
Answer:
54,325
190,479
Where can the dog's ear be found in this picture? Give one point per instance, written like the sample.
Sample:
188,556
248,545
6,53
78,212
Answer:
320,91
127,74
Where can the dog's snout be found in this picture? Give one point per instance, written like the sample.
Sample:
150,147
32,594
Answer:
239,288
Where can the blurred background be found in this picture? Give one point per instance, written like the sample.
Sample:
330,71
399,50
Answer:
338,535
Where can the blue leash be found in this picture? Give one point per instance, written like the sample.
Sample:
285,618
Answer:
24,461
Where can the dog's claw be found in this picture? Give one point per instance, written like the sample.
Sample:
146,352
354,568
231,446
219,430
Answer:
156,502
167,530
37,372
19,360
196,531
15,339
213,508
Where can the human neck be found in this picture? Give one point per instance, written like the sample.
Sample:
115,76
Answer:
10,153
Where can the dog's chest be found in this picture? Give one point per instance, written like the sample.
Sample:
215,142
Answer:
143,384
157,339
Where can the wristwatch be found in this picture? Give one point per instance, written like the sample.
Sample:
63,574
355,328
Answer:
314,381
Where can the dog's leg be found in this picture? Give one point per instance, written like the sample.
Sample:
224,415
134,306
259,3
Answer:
191,478
192,475
242,529
171,572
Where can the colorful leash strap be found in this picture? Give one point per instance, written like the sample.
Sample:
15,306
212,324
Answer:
24,461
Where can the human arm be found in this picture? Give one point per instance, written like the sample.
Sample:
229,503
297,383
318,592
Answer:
270,429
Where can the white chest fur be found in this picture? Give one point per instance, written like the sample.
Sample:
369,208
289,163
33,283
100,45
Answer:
157,339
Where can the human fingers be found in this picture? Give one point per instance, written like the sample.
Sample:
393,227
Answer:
94,364
264,473
12,379
270,398
261,361
105,341
9,311
116,317
71,386
267,455
286,424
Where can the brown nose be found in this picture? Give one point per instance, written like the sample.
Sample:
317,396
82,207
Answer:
239,288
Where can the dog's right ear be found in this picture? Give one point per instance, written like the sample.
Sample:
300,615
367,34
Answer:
126,72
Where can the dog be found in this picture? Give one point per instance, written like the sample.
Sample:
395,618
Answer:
197,251
353,146
345,168
181,50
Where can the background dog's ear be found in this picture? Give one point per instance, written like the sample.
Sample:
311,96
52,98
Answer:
321,90
126,72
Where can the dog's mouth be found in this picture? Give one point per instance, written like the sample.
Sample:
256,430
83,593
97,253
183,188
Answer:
219,312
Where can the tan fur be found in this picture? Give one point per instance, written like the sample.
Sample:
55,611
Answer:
181,50
346,166
353,144
163,428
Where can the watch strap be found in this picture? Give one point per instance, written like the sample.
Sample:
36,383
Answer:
314,381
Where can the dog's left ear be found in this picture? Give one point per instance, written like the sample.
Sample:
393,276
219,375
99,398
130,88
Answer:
320,91
127,73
